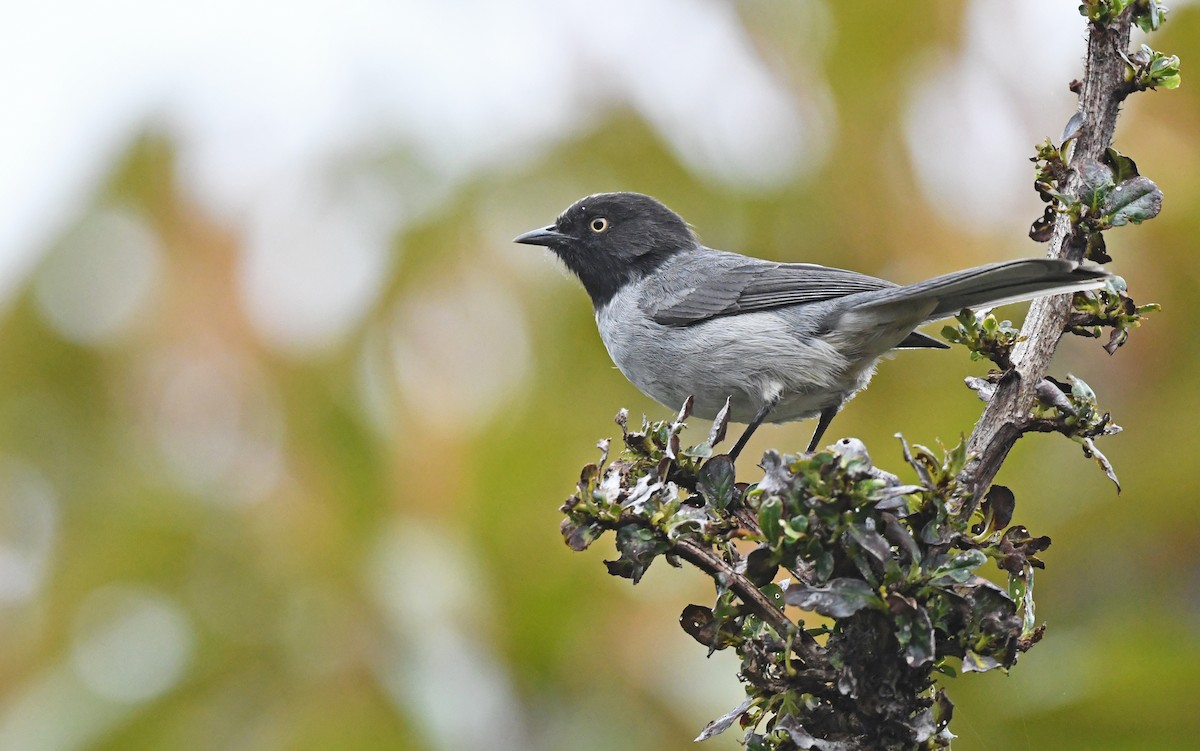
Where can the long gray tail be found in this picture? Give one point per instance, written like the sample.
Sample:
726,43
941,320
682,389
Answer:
993,284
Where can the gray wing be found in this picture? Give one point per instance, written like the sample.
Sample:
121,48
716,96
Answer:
710,284
721,287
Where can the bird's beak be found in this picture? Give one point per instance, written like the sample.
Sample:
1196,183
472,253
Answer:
547,236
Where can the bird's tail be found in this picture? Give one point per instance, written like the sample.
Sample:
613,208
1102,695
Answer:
991,285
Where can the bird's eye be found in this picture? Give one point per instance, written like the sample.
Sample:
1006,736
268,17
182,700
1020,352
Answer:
599,224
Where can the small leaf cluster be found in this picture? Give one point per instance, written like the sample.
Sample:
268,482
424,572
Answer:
871,586
641,495
1114,194
857,539
1050,173
1148,69
1067,408
1109,307
1111,194
1071,409
985,336
1151,69
1094,195
1073,405
1147,14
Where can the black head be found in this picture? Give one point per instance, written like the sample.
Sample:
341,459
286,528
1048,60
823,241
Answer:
611,239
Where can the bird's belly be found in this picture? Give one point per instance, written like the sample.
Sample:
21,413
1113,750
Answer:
750,359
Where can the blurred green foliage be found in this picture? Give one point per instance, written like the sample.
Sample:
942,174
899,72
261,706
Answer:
344,576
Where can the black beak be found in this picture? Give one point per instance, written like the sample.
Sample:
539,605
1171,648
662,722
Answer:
547,236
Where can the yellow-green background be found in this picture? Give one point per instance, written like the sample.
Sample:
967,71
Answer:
401,582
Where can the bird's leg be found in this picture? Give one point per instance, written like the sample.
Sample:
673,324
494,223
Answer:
759,416
823,423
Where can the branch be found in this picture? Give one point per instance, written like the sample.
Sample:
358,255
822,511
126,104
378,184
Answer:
1007,414
708,561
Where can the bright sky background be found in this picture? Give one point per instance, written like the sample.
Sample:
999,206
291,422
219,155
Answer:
279,111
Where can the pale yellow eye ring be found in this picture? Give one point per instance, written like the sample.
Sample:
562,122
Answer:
599,224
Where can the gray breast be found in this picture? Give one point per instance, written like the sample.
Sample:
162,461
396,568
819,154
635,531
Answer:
750,358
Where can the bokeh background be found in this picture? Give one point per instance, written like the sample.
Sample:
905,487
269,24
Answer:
285,418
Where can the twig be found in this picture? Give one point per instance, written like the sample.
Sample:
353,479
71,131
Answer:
712,564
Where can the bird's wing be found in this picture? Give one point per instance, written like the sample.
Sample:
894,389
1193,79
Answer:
751,285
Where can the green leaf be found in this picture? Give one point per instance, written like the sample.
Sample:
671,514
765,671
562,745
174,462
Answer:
1134,200
716,481
579,536
871,541
795,527
716,433
1151,18
688,520
1097,183
977,663
840,598
915,633
1071,130
761,566
769,513
1097,248
958,569
903,538
639,546
774,593
1080,390
945,668
1123,167
998,507
824,566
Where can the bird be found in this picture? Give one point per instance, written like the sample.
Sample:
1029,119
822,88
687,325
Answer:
775,342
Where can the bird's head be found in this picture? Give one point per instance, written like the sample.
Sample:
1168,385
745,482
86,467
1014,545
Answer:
611,239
